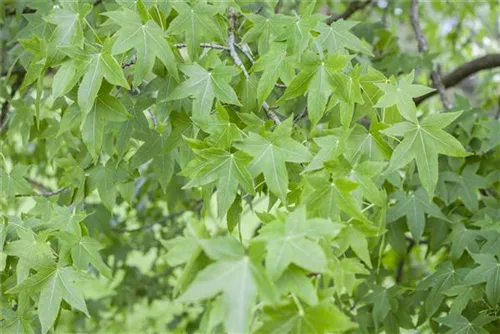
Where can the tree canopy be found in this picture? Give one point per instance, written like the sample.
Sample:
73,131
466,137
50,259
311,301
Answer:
229,166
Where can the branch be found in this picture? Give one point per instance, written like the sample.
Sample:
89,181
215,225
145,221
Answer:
463,71
205,46
353,7
44,191
231,41
422,48
301,115
132,61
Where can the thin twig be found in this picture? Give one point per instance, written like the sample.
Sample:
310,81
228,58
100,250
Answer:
43,190
205,46
353,7
302,114
246,51
401,263
422,48
132,61
237,60
153,118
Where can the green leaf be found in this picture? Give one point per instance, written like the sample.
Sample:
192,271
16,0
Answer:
271,154
315,78
275,64
265,30
423,141
87,251
489,272
148,39
336,37
13,182
465,185
204,86
227,169
458,323
233,278
329,199
329,150
289,243
442,279
55,285
414,206
322,318
69,22
295,281
97,65
401,95
195,22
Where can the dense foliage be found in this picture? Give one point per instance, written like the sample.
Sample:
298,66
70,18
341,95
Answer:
249,166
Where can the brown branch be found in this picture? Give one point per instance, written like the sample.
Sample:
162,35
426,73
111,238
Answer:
422,48
463,71
353,7
231,42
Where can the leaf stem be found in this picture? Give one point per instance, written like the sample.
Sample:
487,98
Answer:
298,304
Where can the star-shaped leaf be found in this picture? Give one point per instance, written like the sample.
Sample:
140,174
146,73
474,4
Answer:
465,186
238,280
69,20
95,65
337,37
227,169
148,39
489,272
204,86
291,243
329,149
266,30
423,141
222,131
321,318
440,281
460,324
275,64
328,198
13,182
414,206
315,79
271,154
196,23
401,95
55,285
